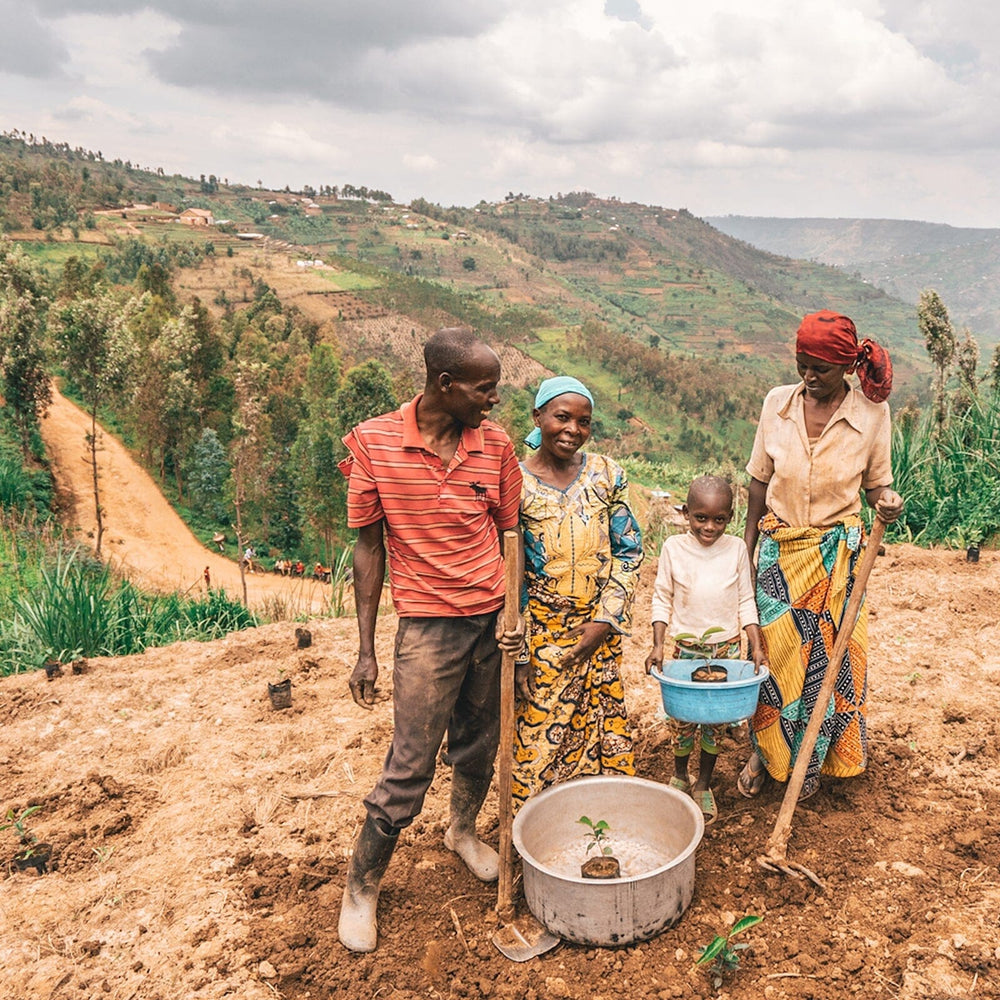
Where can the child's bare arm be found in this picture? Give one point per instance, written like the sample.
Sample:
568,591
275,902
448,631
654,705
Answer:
655,658
758,652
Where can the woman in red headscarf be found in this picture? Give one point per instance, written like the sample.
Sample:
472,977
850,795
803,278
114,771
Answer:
819,444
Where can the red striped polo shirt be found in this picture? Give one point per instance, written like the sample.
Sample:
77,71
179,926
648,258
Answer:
441,524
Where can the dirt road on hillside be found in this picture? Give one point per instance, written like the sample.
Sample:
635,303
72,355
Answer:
143,535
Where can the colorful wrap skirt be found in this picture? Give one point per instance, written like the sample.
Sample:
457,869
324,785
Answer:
575,722
804,579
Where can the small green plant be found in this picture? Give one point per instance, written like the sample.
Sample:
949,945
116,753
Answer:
700,644
15,821
722,954
597,835
341,577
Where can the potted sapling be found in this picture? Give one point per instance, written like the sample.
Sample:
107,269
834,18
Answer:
604,864
703,647
280,693
31,853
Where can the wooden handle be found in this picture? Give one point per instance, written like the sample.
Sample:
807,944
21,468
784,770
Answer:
511,611
779,838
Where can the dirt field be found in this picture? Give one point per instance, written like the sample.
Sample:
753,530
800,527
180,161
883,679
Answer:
200,837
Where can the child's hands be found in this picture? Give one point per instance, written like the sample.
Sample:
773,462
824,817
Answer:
655,658
756,648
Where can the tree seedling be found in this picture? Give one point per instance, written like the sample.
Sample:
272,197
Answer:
596,835
722,953
700,644
15,821
605,865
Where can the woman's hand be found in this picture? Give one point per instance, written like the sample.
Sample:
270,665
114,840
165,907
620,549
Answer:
889,506
591,636
522,681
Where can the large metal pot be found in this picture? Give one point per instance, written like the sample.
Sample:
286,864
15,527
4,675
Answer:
616,911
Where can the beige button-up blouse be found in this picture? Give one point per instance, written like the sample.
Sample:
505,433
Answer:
819,484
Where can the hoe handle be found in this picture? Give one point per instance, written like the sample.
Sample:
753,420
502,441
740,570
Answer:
511,609
778,842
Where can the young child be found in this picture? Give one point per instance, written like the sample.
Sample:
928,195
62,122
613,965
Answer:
703,582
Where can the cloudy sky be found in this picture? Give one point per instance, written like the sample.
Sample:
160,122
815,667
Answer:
874,108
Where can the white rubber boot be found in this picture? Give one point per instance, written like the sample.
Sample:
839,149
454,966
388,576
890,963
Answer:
467,797
358,924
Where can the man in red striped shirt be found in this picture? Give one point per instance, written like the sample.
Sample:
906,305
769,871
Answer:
431,486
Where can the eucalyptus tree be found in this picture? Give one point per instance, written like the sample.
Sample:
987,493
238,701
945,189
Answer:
251,455
95,342
322,491
365,391
27,388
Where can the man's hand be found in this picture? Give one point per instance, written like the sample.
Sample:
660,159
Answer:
362,682
510,642
591,636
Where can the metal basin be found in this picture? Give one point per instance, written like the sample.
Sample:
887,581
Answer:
615,911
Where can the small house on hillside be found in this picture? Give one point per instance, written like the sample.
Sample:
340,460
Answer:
196,217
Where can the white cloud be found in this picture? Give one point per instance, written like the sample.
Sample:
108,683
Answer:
420,163
791,102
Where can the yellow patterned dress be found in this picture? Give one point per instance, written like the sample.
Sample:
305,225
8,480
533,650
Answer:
583,550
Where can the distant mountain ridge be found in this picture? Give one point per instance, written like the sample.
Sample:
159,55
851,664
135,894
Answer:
902,257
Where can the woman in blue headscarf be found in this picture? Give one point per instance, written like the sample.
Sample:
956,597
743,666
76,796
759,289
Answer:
582,556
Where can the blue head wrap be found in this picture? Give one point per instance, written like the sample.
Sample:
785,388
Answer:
549,389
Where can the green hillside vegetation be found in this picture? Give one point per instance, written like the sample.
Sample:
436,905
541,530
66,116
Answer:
58,603
232,371
899,256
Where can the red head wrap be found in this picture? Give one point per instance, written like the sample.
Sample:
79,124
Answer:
830,337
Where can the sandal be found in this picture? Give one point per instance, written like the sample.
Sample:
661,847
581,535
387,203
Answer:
706,803
680,783
751,779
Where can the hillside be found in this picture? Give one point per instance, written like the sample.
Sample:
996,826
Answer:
901,257
645,271
200,839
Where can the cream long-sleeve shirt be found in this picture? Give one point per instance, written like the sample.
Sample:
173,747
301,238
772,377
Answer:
700,586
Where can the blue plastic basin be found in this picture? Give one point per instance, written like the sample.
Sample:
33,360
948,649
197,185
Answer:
710,703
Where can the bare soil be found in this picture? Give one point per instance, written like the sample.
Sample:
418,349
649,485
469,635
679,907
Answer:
201,838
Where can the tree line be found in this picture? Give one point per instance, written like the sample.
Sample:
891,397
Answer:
242,416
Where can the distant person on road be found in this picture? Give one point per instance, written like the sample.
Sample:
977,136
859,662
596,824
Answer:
703,583
819,444
582,553
208,579
430,487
